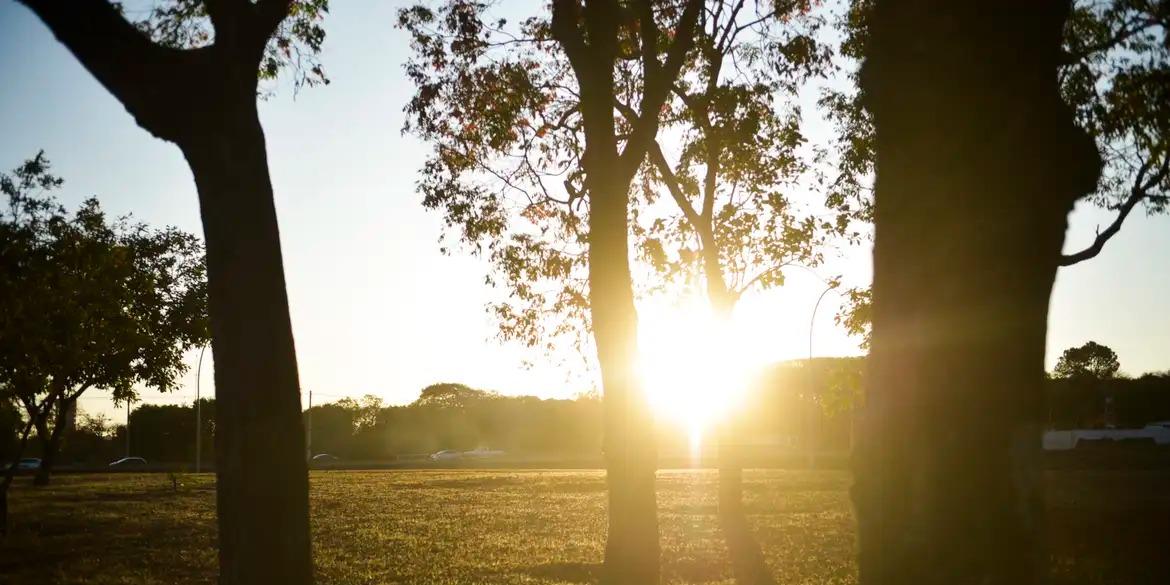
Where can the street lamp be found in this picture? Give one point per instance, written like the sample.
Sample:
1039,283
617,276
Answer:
199,412
832,285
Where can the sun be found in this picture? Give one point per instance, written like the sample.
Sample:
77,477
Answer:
693,365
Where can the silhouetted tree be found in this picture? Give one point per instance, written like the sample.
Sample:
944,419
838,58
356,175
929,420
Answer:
733,123
189,75
1091,360
88,303
533,107
979,161
450,395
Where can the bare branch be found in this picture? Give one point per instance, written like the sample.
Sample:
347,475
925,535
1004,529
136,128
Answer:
672,184
1138,193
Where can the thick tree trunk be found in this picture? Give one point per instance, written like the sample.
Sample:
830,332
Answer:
632,549
978,165
262,490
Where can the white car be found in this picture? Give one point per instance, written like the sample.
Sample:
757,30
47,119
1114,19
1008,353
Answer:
446,455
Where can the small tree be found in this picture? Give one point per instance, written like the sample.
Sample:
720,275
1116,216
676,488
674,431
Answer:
1091,361
92,303
89,303
532,162
450,395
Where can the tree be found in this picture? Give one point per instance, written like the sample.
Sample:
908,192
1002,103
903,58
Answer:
88,303
734,120
533,108
449,395
1089,361
189,74
979,161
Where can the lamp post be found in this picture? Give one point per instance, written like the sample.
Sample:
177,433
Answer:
199,412
127,427
813,417
309,429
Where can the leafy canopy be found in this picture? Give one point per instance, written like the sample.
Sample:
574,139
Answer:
500,106
91,302
1091,361
294,45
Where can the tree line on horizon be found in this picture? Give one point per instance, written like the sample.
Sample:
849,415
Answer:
593,143
780,421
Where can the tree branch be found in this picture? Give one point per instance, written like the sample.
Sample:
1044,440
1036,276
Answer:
269,15
1138,193
566,15
672,184
1123,34
127,63
657,88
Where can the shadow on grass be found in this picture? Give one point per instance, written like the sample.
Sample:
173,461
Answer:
143,496
567,572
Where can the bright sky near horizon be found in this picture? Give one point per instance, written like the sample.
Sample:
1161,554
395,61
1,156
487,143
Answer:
376,309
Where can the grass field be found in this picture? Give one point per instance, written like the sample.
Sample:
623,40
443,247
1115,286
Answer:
529,526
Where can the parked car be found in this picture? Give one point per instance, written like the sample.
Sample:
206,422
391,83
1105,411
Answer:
323,459
129,463
28,464
446,455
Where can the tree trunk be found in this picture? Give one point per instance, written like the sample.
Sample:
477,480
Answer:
10,474
978,164
262,489
632,549
4,508
747,560
51,441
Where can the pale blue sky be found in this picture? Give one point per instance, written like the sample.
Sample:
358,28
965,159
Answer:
375,307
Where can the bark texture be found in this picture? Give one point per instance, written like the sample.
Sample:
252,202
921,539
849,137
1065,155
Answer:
978,164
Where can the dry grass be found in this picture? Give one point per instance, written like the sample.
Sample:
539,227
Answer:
504,526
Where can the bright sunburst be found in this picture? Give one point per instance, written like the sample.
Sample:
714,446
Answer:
694,365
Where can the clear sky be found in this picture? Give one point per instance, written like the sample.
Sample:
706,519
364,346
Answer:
375,307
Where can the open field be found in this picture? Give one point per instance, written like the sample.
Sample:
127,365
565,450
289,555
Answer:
501,526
